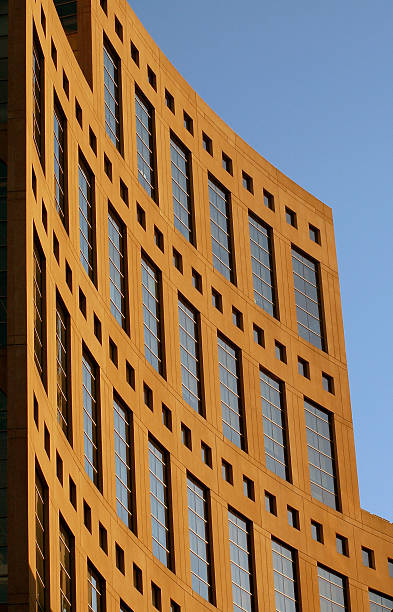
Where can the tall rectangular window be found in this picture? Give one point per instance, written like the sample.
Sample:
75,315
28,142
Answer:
380,602
190,355
117,276
62,366
332,590
241,562
181,189
3,250
221,233
67,11
307,283
67,568
285,577
96,589
92,438
321,454
230,389
112,94
38,97
262,265
199,532
122,418
274,424
41,542
153,332
159,500
86,218
39,308
145,144
59,159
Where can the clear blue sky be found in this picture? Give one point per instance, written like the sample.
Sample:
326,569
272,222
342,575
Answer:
313,94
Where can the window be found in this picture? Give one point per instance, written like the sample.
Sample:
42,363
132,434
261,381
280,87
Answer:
63,367
237,317
216,299
86,218
122,419
170,101
92,441
87,515
230,388
307,298
247,182
327,383
103,537
78,113
151,77
177,260
112,94
270,503
262,265
72,492
181,189
66,85
59,160
380,602
137,577
123,191
199,533
221,233
241,562
117,269
135,54
186,436
196,280
159,500
293,517
290,217
92,141
227,163
82,303
321,454
206,453
41,543
156,596
96,589
166,417
315,234
207,143
268,199
141,216
174,606
258,335
274,425
38,98
145,144
285,577
153,333
342,545
390,567
148,396
368,557
67,567
39,288
248,488
189,334
130,375
317,531
332,590
227,471
188,122
120,561
108,167
158,238
67,11
118,28
303,367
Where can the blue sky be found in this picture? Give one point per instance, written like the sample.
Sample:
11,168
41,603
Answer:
313,93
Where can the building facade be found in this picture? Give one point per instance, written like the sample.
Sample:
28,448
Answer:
176,430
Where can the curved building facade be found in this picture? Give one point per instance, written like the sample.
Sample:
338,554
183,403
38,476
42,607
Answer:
174,386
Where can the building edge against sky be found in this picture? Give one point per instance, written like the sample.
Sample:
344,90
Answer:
172,356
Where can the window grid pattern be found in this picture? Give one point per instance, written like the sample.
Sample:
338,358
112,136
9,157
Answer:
189,355
95,585
145,146
86,220
40,544
220,226
39,331
332,591
66,569
3,253
62,339
262,265
198,523
90,419
285,578
59,144
241,563
321,455
231,402
380,602
307,298
181,190
112,96
274,427
122,432
38,82
67,11
160,520
151,297
117,269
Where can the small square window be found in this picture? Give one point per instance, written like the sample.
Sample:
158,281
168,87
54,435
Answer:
158,238
342,545
87,515
186,436
247,182
174,606
207,143
82,303
270,503
134,54
118,28
44,216
47,440
78,112
53,52
227,472
59,468
303,367
368,557
390,567
113,356
196,280
315,234
268,199
92,141
259,335
248,488
72,492
108,167
148,396
36,411
141,216
156,596
227,163
151,77
206,453
237,317
177,260
293,517
124,192
138,578
170,101
103,537
68,274
317,531
119,554
188,122
166,417
281,351
66,85
216,299
290,216
34,182
327,383
130,375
